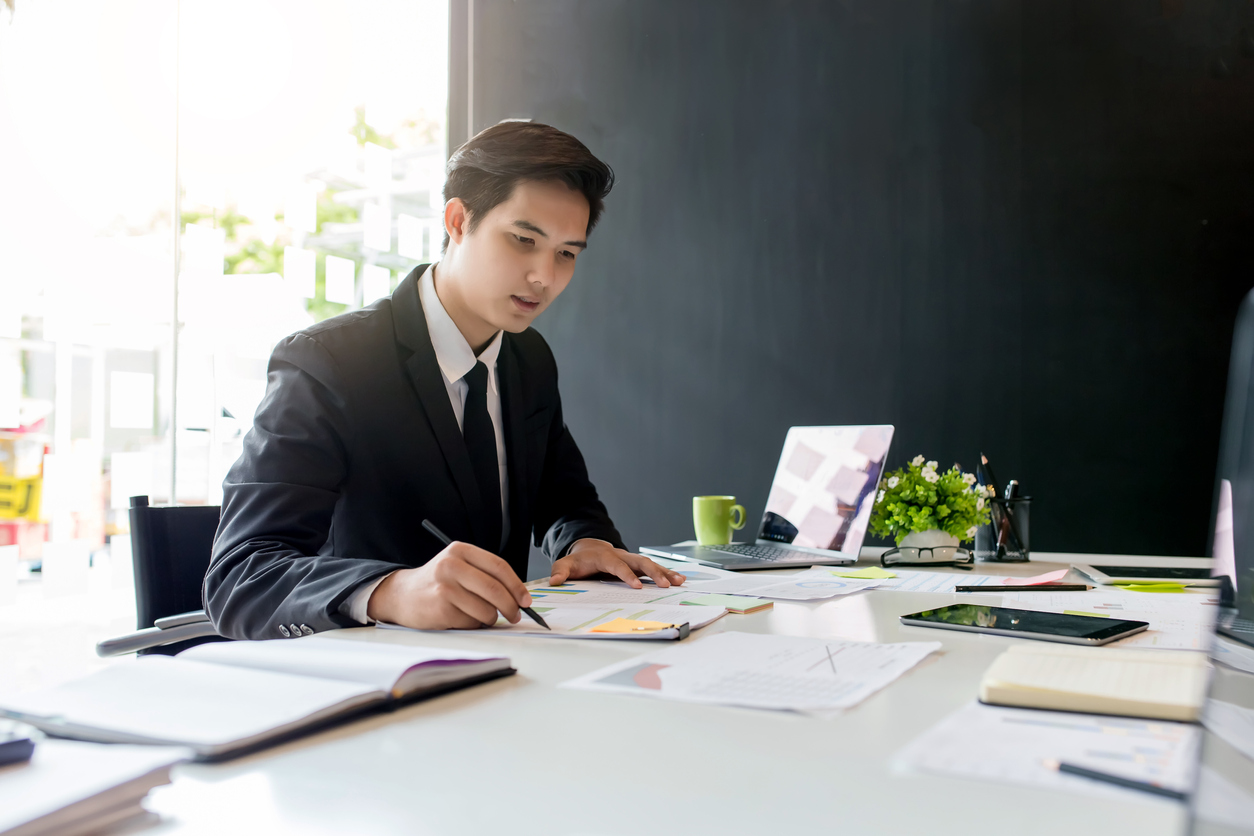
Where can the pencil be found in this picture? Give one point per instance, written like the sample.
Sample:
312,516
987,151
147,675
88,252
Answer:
443,538
1129,783
1040,587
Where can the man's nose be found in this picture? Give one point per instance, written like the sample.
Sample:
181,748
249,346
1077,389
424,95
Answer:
542,274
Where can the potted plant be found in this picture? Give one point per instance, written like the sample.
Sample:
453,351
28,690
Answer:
919,506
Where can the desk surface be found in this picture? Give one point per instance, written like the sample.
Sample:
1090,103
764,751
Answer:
522,756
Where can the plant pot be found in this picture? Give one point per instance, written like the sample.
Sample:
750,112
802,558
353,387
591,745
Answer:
929,539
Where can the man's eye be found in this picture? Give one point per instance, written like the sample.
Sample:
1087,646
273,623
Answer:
525,240
567,254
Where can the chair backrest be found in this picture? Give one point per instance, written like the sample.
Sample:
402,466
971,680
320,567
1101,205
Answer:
171,547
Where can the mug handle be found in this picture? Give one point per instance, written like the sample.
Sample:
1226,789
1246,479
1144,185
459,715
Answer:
738,511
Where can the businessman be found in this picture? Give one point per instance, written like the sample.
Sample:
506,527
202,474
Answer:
437,403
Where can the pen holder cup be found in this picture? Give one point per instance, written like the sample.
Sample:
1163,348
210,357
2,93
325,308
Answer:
1004,539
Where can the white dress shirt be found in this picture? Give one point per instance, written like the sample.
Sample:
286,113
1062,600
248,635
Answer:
455,358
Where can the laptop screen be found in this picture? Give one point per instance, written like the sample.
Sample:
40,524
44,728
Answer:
824,487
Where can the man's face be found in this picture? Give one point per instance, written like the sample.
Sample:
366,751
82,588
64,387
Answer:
522,253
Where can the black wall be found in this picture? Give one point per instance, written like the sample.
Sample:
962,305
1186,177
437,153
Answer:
1016,227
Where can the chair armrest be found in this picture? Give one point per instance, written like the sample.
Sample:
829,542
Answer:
180,619
154,637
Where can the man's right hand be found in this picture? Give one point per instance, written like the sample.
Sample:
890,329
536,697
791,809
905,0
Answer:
462,587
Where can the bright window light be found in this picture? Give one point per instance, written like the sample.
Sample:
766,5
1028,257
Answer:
341,273
300,271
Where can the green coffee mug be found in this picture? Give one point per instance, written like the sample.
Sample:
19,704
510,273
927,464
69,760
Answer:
714,518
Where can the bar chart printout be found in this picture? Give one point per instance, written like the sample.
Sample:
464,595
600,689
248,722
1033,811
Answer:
761,671
1013,745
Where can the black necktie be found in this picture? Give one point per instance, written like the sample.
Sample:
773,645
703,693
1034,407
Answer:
481,444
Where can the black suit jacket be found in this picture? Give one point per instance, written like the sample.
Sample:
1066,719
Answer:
354,444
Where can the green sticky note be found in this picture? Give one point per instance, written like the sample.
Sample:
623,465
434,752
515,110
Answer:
870,573
1152,587
735,603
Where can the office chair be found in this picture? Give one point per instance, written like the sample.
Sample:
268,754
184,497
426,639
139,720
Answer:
170,548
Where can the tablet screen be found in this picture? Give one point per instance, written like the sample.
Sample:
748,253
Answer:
1153,572
1025,621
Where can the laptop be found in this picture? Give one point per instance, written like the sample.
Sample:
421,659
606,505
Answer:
1236,616
819,506
1233,547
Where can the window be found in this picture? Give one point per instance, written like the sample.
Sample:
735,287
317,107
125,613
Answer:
283,157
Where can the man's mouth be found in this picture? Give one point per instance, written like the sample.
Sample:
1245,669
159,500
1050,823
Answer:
526,304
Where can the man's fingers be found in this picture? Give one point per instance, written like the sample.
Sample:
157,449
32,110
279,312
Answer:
642,565
490,564
455,619
557,575
615,565
491,590
479,610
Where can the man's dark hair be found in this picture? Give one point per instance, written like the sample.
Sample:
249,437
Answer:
485,170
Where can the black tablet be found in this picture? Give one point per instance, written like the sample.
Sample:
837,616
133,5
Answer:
1026,624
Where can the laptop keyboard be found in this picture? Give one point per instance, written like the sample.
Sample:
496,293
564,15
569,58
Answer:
1240,625
766,554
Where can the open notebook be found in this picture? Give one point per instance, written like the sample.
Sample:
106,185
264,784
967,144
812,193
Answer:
1158,684
229,697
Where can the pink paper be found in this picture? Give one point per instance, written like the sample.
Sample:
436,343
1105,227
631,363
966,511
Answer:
1048,577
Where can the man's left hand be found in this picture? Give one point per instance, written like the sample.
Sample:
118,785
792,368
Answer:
590,557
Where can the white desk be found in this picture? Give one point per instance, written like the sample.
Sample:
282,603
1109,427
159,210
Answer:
521,756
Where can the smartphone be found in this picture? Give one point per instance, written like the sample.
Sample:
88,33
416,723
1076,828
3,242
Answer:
1026,624
1187,575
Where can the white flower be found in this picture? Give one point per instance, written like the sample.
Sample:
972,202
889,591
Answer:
892,482
931,465
969,478
970,532
918,460
979,504
930,475
881,499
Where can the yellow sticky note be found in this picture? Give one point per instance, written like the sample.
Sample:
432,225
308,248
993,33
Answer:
1152,587
626,625
867,574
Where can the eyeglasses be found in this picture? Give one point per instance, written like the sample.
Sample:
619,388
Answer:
936,555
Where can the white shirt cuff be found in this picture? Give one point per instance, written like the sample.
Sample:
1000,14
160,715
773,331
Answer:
357,605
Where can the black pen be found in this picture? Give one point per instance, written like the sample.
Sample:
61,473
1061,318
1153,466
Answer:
1129,783
1040,587
443,538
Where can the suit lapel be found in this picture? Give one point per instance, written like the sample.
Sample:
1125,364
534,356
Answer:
424,373
509,378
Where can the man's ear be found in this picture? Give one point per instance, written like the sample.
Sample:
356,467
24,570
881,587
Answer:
456,220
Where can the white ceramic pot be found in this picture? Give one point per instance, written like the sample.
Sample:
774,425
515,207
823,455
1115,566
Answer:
929,539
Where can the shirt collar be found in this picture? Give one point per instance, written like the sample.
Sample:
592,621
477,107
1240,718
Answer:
452,352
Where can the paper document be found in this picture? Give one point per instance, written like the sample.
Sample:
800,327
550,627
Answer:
596,593
1176,622
1233,654
761,671
803,586
578,621
72,787
1220,801
1231,724
912,581
1011,745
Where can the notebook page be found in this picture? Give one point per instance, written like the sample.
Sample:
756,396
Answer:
376,664
1124,677
159,699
